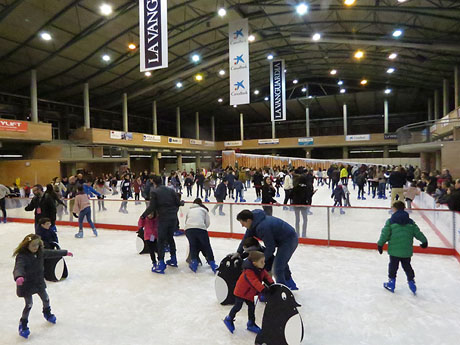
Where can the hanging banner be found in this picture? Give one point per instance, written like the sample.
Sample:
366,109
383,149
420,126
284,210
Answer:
277,91
239,61
153,30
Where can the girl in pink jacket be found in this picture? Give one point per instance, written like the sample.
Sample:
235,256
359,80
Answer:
82,209
150,225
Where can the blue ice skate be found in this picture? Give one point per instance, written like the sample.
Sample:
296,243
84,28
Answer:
390,286
48,315
363,198
359,198
412,286
251,326
206,200
95,232
213,265
160,268
172,262
154,266
242,200
193,265
24,331
79,234
229,323
291,284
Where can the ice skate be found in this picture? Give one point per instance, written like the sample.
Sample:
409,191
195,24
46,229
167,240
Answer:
172,262
251,326
291,284
24,331
412,286
160,268
213,265
390,285
242,200
229,323
95,232
193,265
342,211
79,234
48,315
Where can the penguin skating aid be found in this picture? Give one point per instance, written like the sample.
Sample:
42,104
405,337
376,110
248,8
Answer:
228,273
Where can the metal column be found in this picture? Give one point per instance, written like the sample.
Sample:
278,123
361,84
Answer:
33,96
86,105
436,104
178,124
456,86
155,123
345,126
125,112
197,125
385,115
445,97
213,129
273,130
307,120
430,109
241,127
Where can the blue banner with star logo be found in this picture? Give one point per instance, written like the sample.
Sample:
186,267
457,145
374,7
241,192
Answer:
239,62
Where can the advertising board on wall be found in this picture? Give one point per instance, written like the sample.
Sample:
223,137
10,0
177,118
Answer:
209,143
233,143
268,141
358,137
305,141
13,126
196,142
173,140
390,136
121,135
152,138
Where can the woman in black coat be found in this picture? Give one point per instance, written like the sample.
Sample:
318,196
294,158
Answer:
29,277
302,194
268,194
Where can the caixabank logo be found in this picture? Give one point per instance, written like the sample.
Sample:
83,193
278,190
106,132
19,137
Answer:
238,37
240,89
239,62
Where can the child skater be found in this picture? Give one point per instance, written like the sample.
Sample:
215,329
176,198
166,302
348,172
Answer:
338,195
29,276
82,209
150,225
247,287
399,231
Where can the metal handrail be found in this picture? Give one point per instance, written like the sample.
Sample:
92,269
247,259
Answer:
421,132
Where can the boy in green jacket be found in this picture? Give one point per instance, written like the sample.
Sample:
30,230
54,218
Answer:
399,231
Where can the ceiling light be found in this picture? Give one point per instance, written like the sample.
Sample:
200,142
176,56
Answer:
270,57
390,70
199,77
343,90
310,96
251,38
349,2
256,92
105,9
222,72
304,89
132,46
222,12
301,9
148,74
195,58
316,37
363,82
295,81
45,36
392,56
387,91
234,106
333,72
402,0
359,54
106,57
340,82
266,98
285,70
178,84
220,100
397,33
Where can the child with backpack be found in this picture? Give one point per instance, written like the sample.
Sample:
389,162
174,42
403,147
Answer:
399,231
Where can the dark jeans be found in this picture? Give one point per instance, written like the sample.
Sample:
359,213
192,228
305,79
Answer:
166,228
220,205
81,216
29,303
239,304
199,187
301,211
2,206
334,184
268,210
345,180
258,192
287,195
152,246
361,191
382,189
283,255
238,194
198,240
189,191
136,196
394,265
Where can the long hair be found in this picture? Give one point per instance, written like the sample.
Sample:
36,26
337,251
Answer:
51,192
25,243
198,201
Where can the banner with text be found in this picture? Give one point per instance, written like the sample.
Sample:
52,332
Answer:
239,61
13,126
153,30
277,91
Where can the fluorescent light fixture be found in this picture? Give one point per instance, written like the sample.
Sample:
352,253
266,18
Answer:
340,82
316,37
270,57
106,57
45,36
392,56
220,100
301,9
148,74
222,72
10,156
179,85
349,2
251,38
390,70
343,90
387,91
199,77
397,33
295,81
195,58
222,12
105,9
333,72
256,92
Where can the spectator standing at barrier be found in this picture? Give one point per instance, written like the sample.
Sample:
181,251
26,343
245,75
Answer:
220,194
454,198
42,204
288,186
165,202
397,182
277,235
268,194
82,209
4,192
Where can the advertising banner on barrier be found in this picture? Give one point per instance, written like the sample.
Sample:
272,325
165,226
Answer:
390,136
172,140
153,31
13,126
239,61
233,143
196,142
121,135
277,91
209,143
305,141
152,138
358,137
268,141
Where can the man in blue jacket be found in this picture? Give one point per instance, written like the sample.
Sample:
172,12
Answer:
276,234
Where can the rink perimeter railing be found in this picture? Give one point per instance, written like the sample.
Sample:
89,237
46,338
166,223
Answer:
354,227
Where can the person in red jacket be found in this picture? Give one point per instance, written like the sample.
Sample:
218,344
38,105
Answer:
249,285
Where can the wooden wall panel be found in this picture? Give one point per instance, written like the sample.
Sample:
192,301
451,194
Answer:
38,171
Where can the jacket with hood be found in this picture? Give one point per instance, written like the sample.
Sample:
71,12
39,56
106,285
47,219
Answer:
221,192
197,218
165,202
273,231
150,226
399,231
249,283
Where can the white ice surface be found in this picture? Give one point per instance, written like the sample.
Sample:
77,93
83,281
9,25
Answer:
111,297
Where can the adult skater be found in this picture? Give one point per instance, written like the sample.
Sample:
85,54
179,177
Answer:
43,204
397,181
220,195
277,235
4,192
165,201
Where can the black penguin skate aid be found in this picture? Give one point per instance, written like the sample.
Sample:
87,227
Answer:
281,322
228,273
